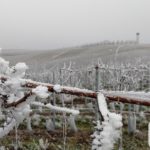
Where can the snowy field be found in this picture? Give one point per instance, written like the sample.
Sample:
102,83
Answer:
81,56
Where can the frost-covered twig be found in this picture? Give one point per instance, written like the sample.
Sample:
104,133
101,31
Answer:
19,101
56,108
107,132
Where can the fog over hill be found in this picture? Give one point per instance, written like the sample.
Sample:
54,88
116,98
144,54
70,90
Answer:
81,56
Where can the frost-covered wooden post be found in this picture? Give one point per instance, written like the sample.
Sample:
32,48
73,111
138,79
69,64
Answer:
148,79
131,120
64,124
97,78
148,82
60,76
98,116
121,110
54,102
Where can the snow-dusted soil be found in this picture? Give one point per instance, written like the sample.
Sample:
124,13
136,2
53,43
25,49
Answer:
82,56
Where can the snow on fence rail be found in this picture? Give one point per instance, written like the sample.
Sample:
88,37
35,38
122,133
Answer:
124,97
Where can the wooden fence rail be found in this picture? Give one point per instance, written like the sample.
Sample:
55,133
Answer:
77,92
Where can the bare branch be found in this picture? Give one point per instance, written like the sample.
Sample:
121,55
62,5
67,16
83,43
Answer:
15,104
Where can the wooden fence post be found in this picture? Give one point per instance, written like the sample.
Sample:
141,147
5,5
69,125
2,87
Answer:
98,113
54,103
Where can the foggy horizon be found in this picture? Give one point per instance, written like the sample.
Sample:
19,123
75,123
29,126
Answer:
54,24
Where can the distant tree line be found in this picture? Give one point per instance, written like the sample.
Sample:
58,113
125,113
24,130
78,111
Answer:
107,42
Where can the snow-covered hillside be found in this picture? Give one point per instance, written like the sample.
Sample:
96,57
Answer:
83,55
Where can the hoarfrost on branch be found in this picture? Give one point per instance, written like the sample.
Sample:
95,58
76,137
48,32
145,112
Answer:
108,131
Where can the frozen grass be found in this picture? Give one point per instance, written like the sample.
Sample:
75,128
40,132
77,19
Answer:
75,141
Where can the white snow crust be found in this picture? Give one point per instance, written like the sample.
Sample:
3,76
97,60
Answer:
41,91
108,131
57,88
57,108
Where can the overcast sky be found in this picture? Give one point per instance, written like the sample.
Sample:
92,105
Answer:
48,24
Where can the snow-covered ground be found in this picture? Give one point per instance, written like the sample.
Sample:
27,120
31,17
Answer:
83,55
